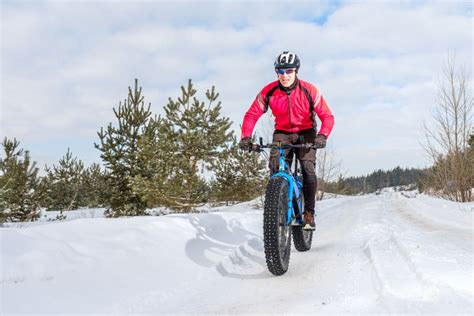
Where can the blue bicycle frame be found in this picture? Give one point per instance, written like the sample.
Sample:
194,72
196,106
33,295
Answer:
295,186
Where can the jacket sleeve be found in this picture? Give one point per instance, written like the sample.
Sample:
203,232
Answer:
324,113
255,111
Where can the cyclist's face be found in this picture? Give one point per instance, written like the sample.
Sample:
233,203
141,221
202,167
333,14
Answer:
286,76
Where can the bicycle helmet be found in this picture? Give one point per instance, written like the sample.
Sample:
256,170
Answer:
287,60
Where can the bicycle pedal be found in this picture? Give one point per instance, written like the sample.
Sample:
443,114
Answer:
308,227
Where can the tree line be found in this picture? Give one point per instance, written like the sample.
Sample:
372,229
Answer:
148,161
377,180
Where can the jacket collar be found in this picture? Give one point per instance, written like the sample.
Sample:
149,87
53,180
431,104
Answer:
288,90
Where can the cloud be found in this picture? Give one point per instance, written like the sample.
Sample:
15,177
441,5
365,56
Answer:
66,64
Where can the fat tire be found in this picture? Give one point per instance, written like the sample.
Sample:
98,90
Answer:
276,207
302,239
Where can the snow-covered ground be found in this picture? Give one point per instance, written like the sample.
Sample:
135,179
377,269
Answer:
387,253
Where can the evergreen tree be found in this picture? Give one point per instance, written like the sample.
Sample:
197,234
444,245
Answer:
119,146
395,176
64,185
239,175
20,190
161,160
94,186
194,134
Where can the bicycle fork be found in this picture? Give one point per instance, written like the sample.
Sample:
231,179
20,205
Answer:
294,192
295,210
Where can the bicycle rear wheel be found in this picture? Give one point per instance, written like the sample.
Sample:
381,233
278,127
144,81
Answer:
302,239
276,232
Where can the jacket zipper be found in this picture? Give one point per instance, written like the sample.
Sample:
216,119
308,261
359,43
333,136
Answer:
289,112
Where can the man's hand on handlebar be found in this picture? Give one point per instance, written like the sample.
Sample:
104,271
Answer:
320,141
246,144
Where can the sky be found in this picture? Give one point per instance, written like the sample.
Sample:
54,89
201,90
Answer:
378,64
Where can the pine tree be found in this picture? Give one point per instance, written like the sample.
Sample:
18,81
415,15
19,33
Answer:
239,175
120,153
395,177
64,185
94,186
159,155
20,189
192,136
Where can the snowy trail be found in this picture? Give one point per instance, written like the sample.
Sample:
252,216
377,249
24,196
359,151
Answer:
371,254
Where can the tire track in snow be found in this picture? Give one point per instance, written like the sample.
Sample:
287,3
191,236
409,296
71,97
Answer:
395,272
448,236
436,246
408,212
227,246
246,261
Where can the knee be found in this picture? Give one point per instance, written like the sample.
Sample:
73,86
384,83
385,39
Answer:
308,168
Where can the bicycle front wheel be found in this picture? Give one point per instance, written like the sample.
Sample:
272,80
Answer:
276,230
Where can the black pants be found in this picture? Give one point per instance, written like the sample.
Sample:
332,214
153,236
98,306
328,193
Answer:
306,157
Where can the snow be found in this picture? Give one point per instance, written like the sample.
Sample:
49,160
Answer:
385,253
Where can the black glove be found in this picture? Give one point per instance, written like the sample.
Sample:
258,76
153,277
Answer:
320,141
245,143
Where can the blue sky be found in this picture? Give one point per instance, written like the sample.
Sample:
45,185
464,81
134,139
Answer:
65,64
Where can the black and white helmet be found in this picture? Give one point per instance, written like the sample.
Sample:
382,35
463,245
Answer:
287,60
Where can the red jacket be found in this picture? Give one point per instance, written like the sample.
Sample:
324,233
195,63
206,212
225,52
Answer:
292,112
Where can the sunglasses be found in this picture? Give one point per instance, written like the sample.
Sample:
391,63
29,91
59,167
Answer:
285,71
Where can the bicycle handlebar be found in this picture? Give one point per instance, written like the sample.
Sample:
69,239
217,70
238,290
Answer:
279,145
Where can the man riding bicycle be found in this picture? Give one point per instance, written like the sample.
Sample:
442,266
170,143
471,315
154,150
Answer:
294,104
